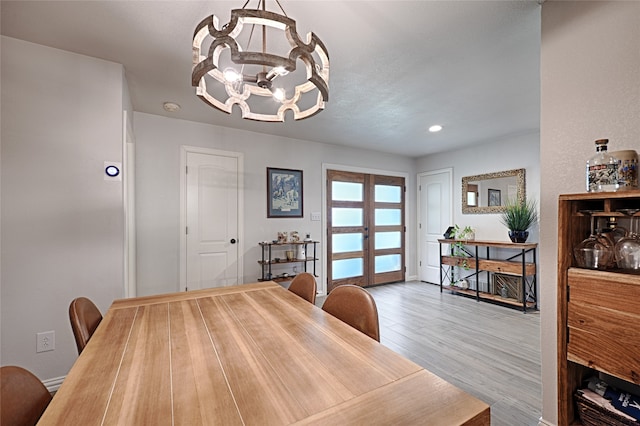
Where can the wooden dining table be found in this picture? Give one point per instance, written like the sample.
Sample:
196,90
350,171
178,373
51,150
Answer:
251,354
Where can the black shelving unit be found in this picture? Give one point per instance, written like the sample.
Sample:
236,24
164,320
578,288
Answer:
268,259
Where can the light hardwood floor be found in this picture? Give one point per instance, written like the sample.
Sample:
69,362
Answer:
490,351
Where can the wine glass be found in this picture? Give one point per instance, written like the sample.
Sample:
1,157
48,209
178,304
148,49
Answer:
595,252
627,249
613,232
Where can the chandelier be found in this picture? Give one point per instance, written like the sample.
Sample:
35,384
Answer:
263,83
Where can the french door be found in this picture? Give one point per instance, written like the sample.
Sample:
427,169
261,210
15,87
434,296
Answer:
366,229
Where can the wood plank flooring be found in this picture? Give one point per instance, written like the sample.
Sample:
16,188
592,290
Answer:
489,351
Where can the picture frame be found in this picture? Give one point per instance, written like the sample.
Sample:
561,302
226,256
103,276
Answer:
495,197
284,193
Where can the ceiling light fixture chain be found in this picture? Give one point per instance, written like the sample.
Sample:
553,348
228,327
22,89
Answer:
219,83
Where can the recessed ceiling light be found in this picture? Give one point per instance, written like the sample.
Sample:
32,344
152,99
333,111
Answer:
171,106
435,128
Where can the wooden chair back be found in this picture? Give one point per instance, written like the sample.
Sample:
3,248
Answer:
85,318
23,397
304,285
355,306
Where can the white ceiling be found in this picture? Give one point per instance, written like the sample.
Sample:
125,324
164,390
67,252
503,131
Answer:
397,67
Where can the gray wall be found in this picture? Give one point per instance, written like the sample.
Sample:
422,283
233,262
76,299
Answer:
62,224
158,141
590,74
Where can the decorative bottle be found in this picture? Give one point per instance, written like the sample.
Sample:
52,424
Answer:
301,254
627,169
602,169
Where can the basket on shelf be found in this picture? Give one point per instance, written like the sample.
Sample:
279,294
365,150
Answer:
592,414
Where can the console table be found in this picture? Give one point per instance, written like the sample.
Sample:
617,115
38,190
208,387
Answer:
515,265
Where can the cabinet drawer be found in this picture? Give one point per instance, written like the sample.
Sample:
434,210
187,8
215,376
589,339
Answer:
617,291
603,320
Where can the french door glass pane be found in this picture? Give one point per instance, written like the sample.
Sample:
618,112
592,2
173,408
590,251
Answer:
387,263
388,217
346,268
346,191
343,243
388,194
387,240
346,216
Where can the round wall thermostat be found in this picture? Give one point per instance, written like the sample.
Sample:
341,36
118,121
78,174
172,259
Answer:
112,171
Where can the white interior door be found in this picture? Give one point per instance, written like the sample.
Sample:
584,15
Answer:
211,220
435,217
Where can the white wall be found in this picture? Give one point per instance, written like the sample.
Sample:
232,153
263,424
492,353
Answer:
62,224
521,152
590,76
158,141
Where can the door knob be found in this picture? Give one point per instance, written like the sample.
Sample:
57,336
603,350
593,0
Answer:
233,241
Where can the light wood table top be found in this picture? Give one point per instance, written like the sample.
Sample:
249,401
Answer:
253,354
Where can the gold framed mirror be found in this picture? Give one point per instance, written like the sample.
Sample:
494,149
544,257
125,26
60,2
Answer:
489,193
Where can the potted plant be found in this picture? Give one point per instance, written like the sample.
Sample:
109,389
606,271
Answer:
519,217
467,233
459,233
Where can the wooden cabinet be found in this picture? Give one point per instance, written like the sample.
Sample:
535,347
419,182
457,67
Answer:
598,311
515,265
276,267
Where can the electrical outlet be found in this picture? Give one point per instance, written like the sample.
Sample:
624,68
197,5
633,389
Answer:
46,341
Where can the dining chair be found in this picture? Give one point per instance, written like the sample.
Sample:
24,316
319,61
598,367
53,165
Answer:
23,397
304,285
85,318
355,306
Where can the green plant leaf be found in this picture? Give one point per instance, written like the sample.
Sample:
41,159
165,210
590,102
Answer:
519,216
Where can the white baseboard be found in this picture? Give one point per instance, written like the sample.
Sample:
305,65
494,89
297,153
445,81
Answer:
543,422
411,278
53,385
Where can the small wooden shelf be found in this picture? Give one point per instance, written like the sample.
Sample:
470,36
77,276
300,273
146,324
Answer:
500,266
297,243
279,262
281,279
488,297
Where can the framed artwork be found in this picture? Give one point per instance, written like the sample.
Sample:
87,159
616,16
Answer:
494,197
284,193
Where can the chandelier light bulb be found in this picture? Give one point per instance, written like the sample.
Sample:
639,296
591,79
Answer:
280,71
435,128
232,75
279,94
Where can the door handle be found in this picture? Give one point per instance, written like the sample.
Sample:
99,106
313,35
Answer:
233,241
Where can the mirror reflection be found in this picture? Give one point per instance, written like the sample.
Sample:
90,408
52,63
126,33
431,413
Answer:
489,193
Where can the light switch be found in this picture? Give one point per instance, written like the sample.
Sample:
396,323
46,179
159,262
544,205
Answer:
315,216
